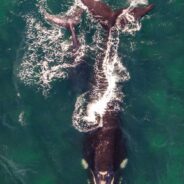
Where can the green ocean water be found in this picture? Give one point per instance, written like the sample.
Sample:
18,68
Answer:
38,144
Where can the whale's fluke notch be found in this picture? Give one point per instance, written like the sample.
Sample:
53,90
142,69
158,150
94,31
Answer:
107,17
69,22
101,12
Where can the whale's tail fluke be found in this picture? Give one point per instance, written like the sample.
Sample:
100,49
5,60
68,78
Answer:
69,22
139,12
107,17
127,14
101,12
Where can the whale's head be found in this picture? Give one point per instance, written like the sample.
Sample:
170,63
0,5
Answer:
103,177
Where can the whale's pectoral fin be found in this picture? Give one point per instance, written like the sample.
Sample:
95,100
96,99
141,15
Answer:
139,12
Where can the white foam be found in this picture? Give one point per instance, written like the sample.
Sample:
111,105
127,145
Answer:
47,57
13,170
134,3
21,118
88,115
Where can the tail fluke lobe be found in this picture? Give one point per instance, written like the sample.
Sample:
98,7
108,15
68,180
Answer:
69,22
107,17
136,13
139,12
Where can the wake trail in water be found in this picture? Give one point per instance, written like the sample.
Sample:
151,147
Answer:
48,57
109,74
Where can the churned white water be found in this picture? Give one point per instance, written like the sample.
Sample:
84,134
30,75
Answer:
48,57
88,115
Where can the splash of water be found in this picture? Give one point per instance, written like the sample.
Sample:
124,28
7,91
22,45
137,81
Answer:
13,170
88,114
47,57
134,3
132,25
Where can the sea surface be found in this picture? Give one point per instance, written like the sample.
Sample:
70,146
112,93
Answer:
39,145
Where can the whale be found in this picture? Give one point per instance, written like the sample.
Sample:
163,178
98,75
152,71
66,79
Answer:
100,11
107,17
69,22
105,151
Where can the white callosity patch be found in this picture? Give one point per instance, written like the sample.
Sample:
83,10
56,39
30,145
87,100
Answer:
124,163
84,164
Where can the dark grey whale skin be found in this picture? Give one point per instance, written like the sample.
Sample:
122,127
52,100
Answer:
105,148
107,17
